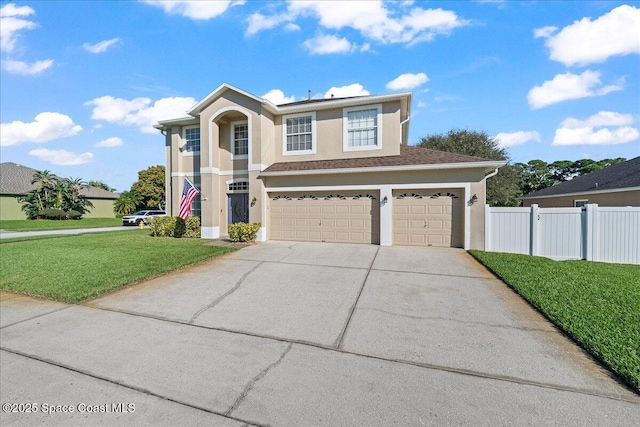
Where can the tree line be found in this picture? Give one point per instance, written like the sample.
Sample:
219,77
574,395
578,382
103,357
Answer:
513,180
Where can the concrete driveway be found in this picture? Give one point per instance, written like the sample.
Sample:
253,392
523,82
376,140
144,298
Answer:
284,333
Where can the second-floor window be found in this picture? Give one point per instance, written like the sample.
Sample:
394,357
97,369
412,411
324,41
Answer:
299,134
362,128
192,139
240,139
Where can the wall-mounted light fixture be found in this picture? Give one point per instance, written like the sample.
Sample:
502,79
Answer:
253,202
472,200
385,200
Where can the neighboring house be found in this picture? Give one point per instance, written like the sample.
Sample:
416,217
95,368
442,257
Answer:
617,185
15,181
334,170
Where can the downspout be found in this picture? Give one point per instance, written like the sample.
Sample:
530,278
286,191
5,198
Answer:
402,123
494,173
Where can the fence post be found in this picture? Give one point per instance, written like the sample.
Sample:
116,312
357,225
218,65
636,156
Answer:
487,227
592,237
535,218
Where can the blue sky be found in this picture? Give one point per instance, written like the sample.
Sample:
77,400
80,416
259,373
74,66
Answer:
82,82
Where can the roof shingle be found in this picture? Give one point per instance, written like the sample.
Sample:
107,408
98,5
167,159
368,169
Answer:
409,156
622,175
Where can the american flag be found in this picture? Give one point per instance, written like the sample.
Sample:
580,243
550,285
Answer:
188,194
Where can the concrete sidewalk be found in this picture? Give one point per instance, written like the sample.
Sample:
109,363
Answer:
13,234
284,333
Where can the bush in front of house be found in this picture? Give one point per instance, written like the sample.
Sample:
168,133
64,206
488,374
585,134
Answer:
167,226
58,214
243,232
192,225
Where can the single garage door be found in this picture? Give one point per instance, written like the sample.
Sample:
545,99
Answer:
345,217
428,218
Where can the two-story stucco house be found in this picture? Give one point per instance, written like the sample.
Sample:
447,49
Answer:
333,170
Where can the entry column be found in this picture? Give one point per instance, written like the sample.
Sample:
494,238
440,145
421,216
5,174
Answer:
386,216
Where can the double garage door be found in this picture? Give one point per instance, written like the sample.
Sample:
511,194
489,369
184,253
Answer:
341,216
420,217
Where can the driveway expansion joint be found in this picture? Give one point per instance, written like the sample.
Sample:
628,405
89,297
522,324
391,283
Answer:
122,384
338,342
226,294
38,316
423,273
255,379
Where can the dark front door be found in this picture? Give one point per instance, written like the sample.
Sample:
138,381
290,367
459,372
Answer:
238,208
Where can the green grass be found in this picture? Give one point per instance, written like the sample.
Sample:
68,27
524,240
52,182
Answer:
79,267
596,304
47,224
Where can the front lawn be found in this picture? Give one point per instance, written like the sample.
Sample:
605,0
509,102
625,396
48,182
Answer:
48,224
596,304
75,268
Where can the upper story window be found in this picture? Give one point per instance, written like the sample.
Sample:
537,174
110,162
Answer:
299,134
240,140
362,127
191,136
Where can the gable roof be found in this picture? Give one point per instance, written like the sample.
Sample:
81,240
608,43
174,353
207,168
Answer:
625,175
15,179
410,158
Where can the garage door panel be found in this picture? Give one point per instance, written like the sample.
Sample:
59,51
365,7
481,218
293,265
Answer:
440,210
322,216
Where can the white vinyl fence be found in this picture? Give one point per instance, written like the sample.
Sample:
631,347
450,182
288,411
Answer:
607,234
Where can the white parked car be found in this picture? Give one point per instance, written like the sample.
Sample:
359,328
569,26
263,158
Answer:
141,216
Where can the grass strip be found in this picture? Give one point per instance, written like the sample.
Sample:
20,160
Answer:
596,304
79,267
48,224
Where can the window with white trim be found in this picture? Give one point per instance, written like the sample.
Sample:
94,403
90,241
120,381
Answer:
191,136
362,128
299,134
580,203
239,186
240,139
196,204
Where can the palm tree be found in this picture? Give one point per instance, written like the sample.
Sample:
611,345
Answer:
127,203
45,181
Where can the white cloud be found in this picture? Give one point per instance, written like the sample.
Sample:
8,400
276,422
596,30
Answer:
509,139
568,86
421,104
11,24
139,111
292,27
381,22
110,142
199,10
326,44
100,46
26,69
544,32
407,81
45,127
61,157
586,41
354,89
276,97
603,128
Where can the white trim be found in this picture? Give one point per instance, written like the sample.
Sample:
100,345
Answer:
231,181
185,174
586,201
386,216
345,130
210,171
258,167
490,165
338,103
234,172
262,234
584,193
182,146
209,232
311,114
196,109
232,142
465,186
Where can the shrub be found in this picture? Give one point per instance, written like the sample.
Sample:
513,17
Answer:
243,232
74,214
193,227
167,226
58,214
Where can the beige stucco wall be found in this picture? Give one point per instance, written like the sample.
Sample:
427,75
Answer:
329,136
620,198
102,208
